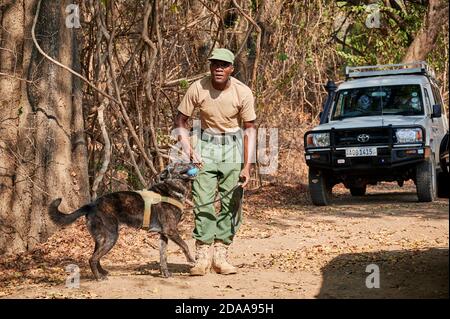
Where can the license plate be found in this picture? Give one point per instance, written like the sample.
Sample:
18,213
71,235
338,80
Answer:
360,151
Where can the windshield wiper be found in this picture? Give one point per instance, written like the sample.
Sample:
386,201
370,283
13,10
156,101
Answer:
405,113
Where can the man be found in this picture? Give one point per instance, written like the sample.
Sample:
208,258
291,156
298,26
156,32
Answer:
223,102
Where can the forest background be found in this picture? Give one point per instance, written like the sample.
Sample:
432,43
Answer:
62,135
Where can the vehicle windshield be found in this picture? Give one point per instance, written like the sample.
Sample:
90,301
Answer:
378,100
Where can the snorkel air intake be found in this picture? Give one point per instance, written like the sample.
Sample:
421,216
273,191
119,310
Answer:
331,89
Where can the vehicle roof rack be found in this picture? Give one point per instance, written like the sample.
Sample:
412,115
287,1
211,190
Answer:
419,67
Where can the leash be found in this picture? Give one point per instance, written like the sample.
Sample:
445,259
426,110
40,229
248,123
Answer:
237,215
239,184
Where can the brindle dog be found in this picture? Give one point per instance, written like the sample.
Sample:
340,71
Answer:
104,215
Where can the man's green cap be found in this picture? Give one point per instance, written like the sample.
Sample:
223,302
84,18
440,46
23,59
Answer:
222,55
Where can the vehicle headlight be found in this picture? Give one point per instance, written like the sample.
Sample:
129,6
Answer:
318,140
409,135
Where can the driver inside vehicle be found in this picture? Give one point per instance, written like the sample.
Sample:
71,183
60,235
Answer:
364,103
407,103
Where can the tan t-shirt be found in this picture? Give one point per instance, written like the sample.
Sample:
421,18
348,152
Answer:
219,110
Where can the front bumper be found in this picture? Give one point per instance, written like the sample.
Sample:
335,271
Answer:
391,155
387,158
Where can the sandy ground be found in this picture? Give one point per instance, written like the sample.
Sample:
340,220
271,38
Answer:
286,248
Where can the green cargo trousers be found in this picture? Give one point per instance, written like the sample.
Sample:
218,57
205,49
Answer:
222,165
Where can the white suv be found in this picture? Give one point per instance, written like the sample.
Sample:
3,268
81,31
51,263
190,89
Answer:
384,123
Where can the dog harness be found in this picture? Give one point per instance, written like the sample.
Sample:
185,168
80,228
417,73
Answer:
151,198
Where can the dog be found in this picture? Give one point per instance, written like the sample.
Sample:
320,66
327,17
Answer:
106,213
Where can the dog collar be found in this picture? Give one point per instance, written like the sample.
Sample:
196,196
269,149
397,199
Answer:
151,198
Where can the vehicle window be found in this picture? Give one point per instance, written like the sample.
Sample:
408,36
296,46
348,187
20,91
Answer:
379,100
427,100
357,102
337,103
437,95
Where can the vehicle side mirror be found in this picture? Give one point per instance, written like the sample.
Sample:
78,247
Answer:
437,111
320,114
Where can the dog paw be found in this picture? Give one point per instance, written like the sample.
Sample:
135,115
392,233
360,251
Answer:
104,272
166,274
190,260
102,278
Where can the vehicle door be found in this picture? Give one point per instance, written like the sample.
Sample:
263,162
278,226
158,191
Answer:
437,127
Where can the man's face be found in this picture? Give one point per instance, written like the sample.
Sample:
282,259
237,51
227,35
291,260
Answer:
220,71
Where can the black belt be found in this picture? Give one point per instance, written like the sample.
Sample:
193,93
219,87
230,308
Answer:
219,138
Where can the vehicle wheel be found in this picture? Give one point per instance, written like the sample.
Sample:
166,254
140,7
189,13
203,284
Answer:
358,191
320,188
443,155
426,180
443,189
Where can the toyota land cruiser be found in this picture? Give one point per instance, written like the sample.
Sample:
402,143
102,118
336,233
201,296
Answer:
384,123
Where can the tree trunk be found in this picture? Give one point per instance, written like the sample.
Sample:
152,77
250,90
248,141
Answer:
269,12
425,40
42,145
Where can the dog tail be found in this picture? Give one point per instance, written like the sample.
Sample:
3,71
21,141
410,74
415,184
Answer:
62,219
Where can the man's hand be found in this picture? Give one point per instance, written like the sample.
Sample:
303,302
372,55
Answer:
245,176
196,159
182,134
249,148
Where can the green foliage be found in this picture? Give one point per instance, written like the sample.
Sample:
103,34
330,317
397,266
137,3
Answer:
162,138
438,59
98,165
121,167
282,56
254,4
285,81
386,44
184,84
174,8
134,182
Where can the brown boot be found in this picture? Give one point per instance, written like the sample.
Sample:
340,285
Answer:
220,263
202,259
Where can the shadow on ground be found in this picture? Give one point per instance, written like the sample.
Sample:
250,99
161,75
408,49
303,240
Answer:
403,274
153,269
380,201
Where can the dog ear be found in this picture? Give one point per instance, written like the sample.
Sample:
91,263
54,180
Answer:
164,174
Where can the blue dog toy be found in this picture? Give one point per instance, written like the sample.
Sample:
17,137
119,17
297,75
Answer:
193,171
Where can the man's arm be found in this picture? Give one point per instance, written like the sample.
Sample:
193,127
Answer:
181,126
249,150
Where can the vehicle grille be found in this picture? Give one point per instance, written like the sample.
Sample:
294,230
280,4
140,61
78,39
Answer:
350,137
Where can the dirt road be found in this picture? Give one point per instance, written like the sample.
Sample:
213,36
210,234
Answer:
286,248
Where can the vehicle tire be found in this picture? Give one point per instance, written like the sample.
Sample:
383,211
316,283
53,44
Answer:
443,189
426,180
320,188
443,155
358,191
